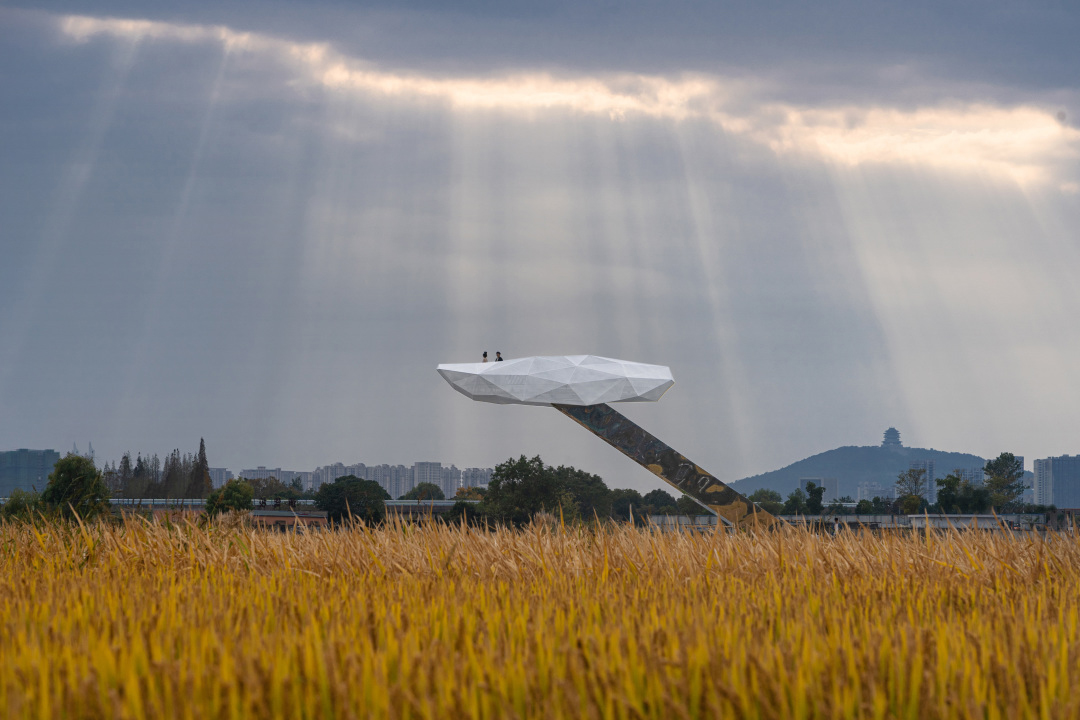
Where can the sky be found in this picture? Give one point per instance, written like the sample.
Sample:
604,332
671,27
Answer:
265,225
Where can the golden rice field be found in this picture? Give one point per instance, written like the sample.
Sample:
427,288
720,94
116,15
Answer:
149,621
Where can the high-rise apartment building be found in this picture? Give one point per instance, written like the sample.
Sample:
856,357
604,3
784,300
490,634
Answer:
450,481
476,477
1059,479
927,466
1044,483
427,472
396,480
26,469
974,475
219,476
328,474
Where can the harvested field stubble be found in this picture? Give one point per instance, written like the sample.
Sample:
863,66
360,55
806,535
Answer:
153,621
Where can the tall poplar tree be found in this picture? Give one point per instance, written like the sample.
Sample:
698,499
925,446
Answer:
199,485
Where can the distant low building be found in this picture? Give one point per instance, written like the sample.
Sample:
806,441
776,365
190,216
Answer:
869,489
26,469
263,473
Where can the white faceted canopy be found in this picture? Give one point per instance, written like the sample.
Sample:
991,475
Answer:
561,379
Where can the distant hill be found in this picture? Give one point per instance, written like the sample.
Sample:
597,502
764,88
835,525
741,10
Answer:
853,465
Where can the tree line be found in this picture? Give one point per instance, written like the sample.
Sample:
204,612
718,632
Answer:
523,487
519,490
179,476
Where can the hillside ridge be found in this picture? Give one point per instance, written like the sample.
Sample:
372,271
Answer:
853,464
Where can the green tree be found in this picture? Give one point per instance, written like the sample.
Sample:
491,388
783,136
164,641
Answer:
883,505
864,507
795,503
957,495
910,503
75,486
234,495
626,502
768,500
268,487
521,488
591,497
467,511
841,506
814,495
125,476
199,482
21,505
141,479
470,493
424,491
349,496
659,502
911,483
688,506
1005,481
176,475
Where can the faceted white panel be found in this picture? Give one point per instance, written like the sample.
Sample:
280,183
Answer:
560,379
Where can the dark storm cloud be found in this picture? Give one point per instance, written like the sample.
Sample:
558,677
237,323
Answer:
1031,45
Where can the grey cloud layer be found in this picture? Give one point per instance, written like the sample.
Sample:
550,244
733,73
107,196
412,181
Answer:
278,264
1019,44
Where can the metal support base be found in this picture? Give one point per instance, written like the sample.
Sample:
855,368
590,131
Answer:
647,450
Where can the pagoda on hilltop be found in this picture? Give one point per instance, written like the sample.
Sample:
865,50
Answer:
892,439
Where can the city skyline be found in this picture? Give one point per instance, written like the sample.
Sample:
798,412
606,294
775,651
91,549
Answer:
399,478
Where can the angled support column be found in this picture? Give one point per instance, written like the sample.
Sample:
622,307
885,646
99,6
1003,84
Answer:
647,450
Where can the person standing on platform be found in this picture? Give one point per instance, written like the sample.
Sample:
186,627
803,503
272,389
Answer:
498,356
485,356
